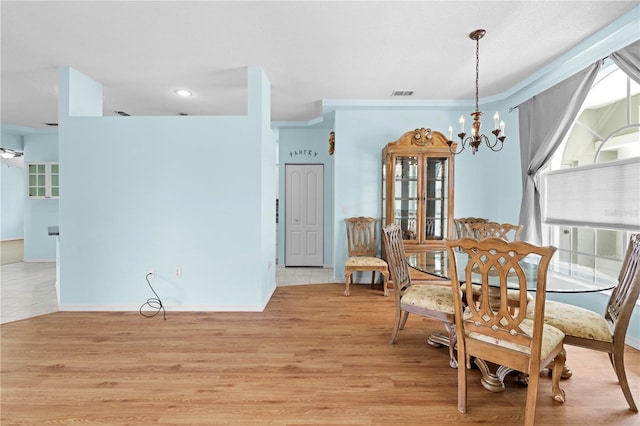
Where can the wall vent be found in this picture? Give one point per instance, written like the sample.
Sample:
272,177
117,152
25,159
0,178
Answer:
402,93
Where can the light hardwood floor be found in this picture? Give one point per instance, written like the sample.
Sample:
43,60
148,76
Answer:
313,357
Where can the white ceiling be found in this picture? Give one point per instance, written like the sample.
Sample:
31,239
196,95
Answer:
310,50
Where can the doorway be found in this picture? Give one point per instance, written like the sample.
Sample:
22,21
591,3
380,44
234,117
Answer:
304,214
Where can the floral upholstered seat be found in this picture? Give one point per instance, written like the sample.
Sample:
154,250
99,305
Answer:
575,321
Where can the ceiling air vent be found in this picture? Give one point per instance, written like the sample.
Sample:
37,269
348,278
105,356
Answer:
402,93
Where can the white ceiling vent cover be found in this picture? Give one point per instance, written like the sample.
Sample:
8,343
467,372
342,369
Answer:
402,93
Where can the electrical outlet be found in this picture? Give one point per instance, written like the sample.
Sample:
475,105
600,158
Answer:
178,272
151,273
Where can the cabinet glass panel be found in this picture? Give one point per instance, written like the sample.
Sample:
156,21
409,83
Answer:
55,180
43,180
406,195
436,198
37,180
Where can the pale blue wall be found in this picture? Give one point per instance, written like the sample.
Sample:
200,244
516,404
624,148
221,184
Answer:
361,134
40,214
164,192
12,191
306,146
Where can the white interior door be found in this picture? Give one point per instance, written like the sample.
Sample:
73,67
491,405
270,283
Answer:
304,214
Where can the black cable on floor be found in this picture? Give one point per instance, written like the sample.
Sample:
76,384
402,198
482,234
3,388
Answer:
153,302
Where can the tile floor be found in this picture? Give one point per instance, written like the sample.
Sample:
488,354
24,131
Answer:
27,289
309,275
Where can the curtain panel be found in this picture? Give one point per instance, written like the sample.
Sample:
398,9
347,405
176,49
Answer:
628,60
545,119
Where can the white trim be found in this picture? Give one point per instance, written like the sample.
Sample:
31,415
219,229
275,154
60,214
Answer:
632,341
169,309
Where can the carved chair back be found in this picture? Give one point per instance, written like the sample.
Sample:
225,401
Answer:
506,231
362,236
460,225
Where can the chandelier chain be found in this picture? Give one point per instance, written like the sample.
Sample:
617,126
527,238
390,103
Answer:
477,71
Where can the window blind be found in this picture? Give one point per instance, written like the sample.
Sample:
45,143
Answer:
604,195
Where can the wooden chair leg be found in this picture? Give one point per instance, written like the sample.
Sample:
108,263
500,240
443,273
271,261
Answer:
396,326
453,339
385,282
532,397
462,384
556,374
373,278
404,320
347,280
618,365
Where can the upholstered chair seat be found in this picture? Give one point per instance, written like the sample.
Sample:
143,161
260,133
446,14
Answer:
431,297
575,321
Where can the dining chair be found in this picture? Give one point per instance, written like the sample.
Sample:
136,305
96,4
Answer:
428,300
461,229
487,329
506,231
480,231
362,245
607,332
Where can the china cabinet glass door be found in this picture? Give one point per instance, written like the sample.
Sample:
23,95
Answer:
436,189
406,195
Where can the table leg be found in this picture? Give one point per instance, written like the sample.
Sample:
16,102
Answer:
438,340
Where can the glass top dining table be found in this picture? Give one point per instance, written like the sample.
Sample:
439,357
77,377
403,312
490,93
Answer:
436,263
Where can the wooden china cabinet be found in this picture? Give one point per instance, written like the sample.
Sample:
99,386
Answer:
417,188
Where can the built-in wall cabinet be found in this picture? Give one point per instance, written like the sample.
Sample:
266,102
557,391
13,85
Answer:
43,180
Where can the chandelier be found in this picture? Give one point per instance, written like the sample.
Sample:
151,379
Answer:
476,138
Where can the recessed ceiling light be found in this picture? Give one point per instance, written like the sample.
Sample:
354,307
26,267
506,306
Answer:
183,92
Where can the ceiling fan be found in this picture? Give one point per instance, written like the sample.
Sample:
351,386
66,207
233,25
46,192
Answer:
10,153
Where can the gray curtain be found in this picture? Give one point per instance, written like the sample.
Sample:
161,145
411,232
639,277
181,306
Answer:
628,60
544,121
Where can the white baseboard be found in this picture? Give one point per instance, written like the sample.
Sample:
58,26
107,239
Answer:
192,308
633,342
